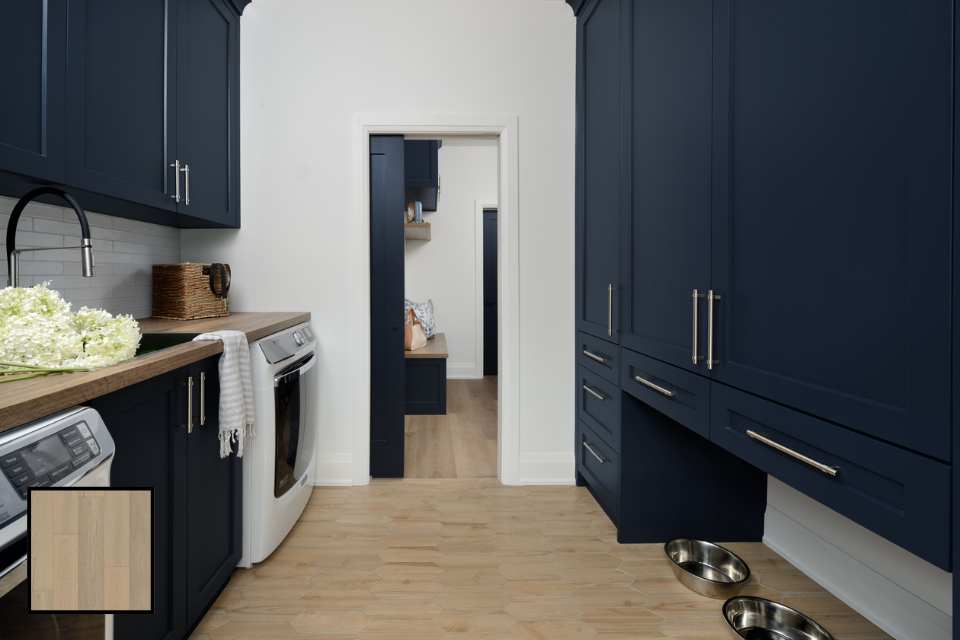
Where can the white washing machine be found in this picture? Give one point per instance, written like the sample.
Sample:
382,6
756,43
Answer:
278,461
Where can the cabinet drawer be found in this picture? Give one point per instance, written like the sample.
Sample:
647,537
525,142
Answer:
600,467
679,394
598,405
599,356
900,495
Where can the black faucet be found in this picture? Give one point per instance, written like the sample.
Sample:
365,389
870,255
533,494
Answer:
13,254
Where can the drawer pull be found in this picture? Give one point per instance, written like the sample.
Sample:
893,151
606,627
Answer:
654,386
594,453
596,394
819,466
594,357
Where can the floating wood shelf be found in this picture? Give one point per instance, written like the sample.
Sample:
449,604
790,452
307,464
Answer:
413,231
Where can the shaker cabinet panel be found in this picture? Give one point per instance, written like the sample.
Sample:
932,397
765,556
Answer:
599,201
666,254
832,214
33,36
208,55
120,75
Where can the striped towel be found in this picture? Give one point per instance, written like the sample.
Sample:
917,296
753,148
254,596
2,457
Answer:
236,390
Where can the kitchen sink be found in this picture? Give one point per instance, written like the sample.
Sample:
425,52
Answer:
150,342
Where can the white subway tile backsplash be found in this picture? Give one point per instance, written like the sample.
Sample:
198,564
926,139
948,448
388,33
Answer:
124,251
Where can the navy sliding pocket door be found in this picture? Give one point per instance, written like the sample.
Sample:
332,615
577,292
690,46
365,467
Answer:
666,253
832,211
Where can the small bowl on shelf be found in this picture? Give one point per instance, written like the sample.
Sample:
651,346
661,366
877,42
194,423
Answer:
754,618
707,568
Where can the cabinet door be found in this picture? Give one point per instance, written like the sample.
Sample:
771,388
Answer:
666,254
832,211
213,499
146,422
120,129
599,203
420,163
33,35
208,67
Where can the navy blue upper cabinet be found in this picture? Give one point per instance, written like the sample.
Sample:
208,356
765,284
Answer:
666,248
121,131
33,36
832,211
420,163
208,68
599,201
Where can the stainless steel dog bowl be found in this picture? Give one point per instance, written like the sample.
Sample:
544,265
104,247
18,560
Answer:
707,568
756,618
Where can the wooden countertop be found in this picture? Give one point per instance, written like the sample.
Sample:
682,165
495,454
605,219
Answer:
27,400
436,348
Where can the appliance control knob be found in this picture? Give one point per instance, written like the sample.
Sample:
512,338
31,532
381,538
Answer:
298,338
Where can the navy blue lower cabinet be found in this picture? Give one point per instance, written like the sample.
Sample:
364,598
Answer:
679,394
599,356
426,386
598,406
903,496
675,483
598,468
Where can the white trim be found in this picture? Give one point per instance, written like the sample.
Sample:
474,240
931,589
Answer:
480,206
547,467
506,127
333,470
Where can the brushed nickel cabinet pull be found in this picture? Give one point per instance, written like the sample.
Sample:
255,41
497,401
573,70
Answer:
654,386
203,398
186,183
593,452
594,357
609,309
711,298
696,326
596,394
175,165
796,455
189,405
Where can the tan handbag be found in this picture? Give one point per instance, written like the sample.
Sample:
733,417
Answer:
414,337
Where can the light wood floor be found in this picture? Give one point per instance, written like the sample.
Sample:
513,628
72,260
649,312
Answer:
465,559
90,550
461,444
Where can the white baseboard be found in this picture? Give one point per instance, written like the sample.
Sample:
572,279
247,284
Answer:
464,371
896,610
335,469
547,467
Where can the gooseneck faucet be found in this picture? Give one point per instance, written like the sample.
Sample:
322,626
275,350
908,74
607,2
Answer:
13,254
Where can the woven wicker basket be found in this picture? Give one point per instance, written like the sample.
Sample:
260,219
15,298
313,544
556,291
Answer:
182,292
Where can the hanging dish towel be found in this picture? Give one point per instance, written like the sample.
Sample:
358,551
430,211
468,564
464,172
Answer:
236,390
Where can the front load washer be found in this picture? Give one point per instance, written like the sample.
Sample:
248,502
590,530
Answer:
278,461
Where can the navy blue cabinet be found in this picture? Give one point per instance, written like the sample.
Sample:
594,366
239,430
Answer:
33,40
668,181
197,494
421,163
832,212
599,200
121,134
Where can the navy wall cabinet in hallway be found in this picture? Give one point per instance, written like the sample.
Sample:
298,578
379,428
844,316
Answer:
33,40
599,161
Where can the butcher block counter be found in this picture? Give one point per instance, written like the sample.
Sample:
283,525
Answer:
27,400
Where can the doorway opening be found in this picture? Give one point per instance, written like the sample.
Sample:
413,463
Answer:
434,306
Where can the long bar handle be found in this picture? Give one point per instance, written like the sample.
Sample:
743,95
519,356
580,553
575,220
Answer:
796,455
203,398
654,386
610,309
189,404
593,452
594,357
711,298
596,394
186,183
696,326
175,165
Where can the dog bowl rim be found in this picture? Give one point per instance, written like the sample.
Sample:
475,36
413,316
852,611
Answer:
723,611
732,583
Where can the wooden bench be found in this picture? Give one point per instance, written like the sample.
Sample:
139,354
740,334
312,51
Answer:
426,372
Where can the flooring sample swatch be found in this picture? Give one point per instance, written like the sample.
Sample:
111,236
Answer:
90,549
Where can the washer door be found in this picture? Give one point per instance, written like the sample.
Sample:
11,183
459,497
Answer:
294,431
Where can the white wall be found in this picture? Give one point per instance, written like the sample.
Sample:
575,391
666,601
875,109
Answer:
905,596
447,269
308,67
124,251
